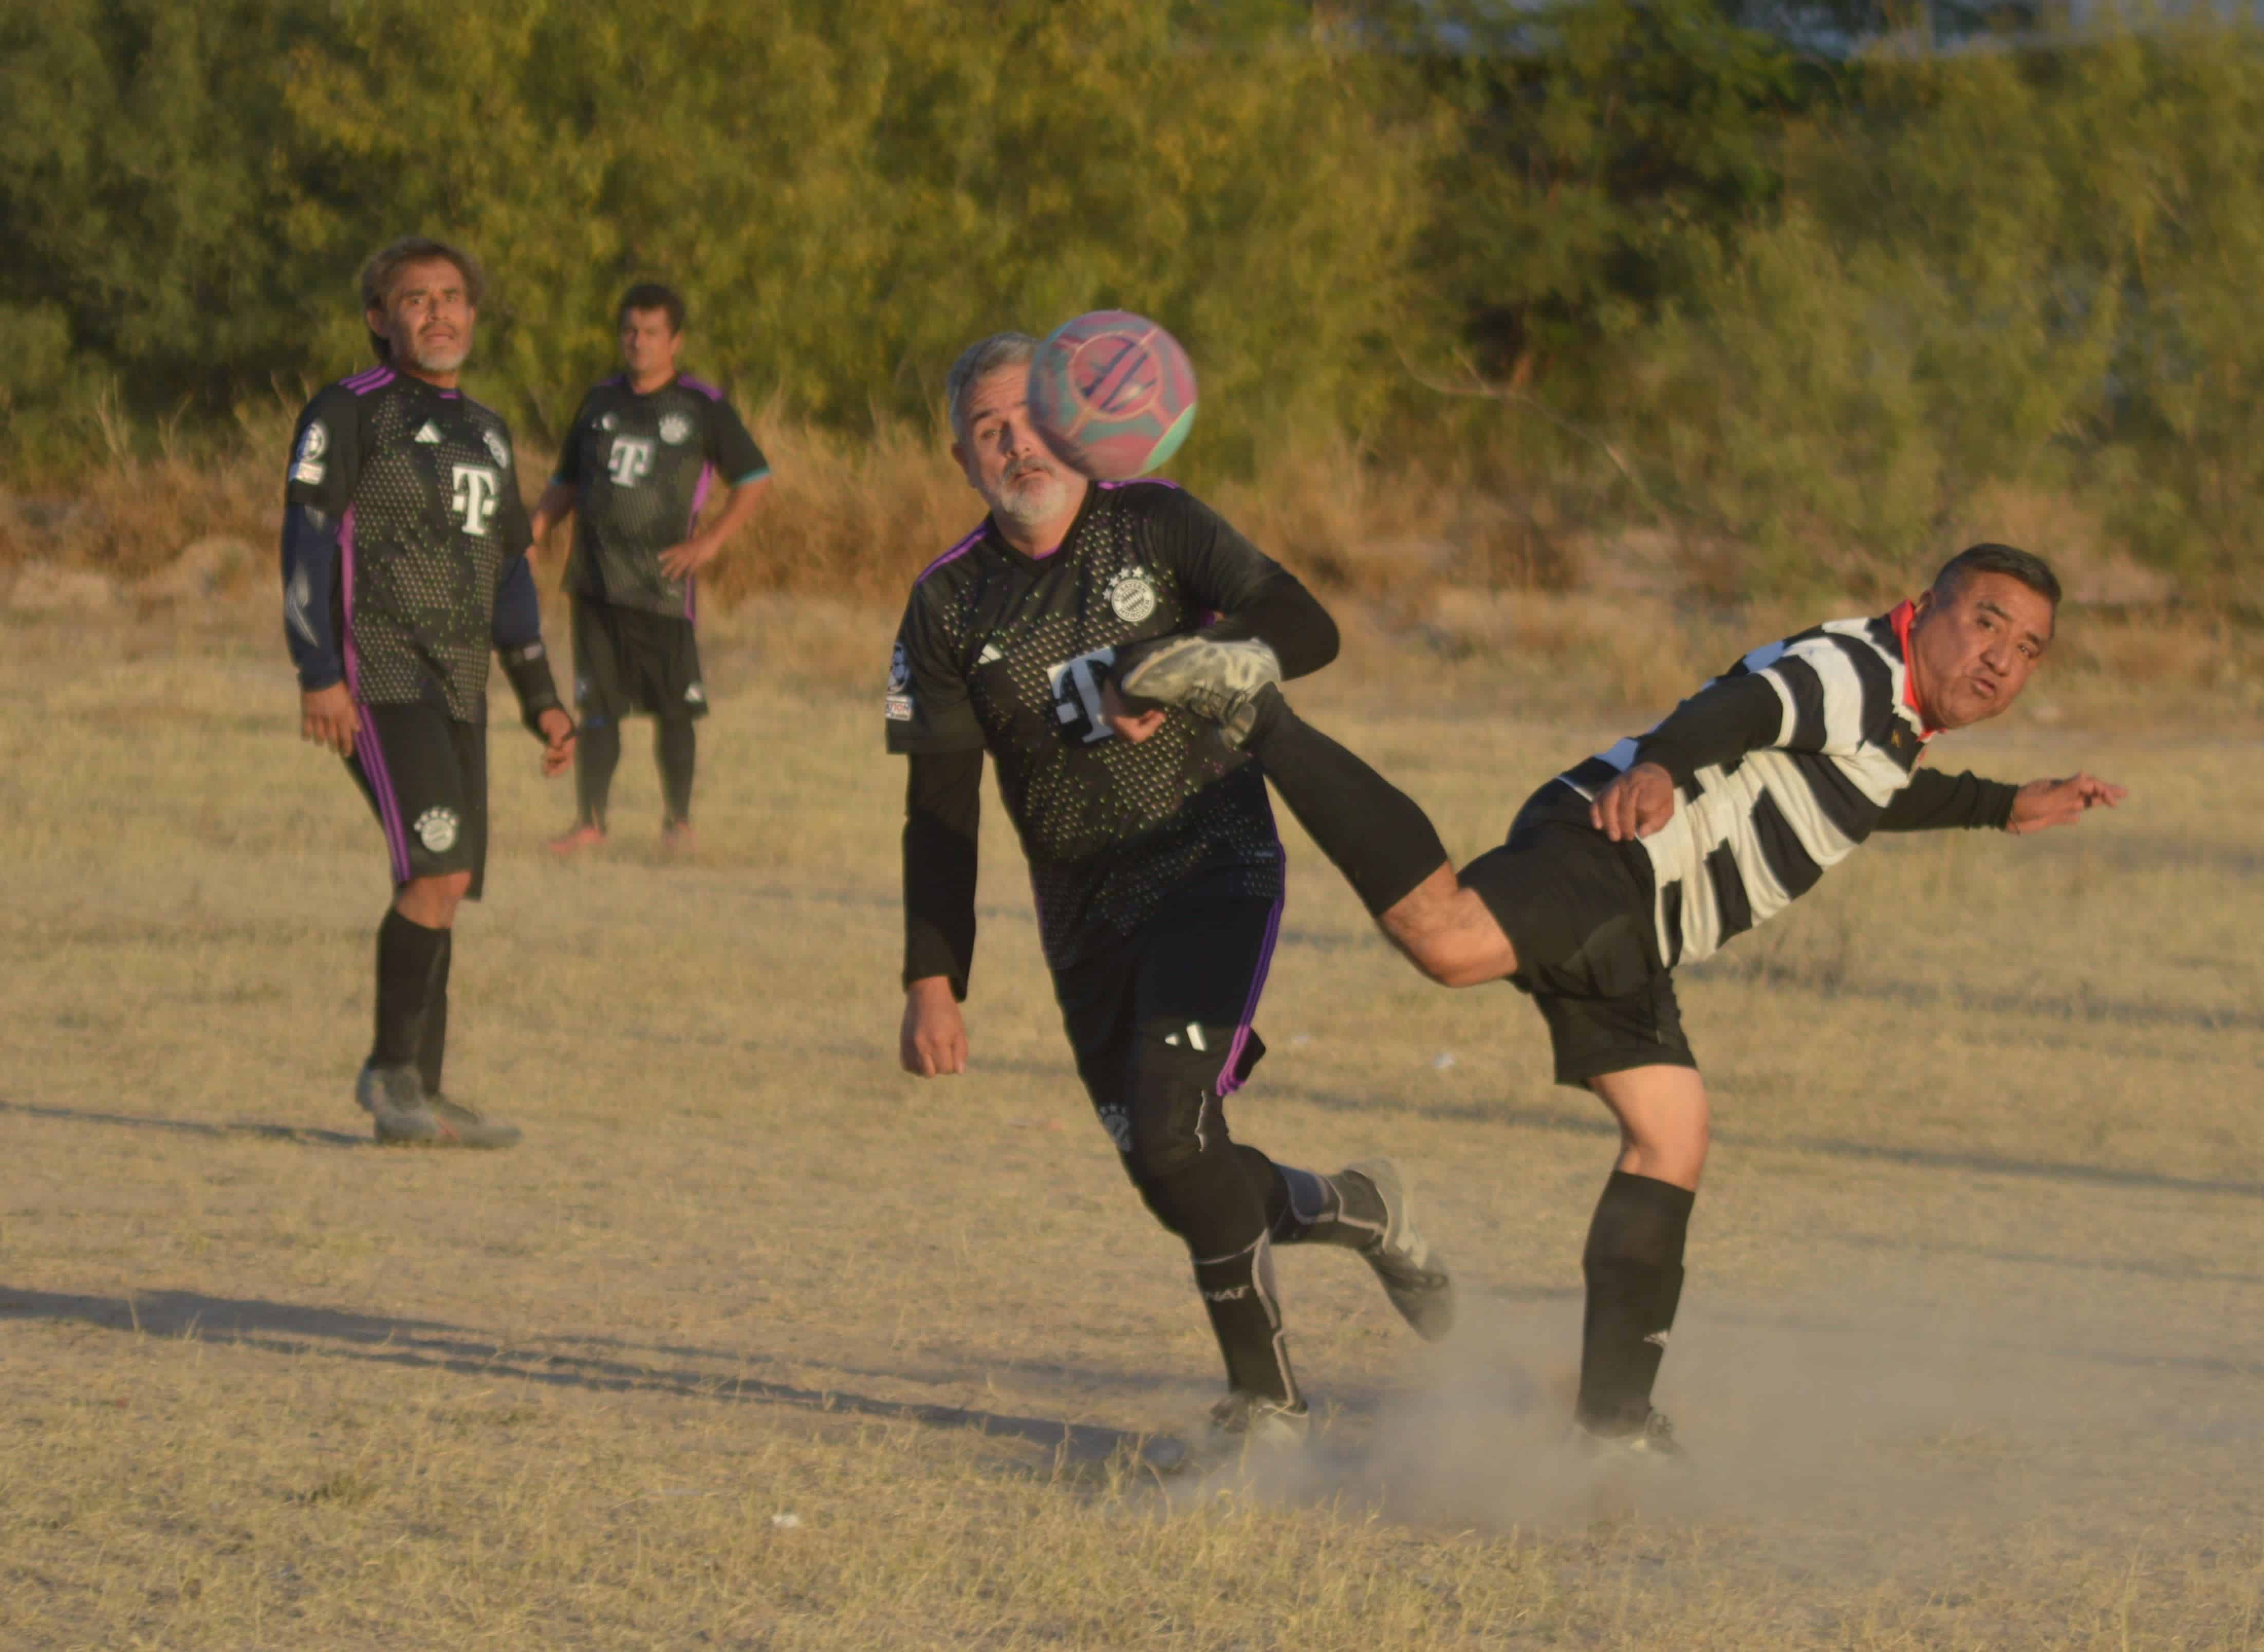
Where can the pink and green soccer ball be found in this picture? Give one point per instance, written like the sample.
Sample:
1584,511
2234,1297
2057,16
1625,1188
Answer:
1112,393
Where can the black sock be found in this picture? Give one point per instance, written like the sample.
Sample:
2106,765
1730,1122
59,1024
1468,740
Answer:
1245,1315
432,1048
405,955
1344,1209
674,744
597,753
1634,1266
1383,843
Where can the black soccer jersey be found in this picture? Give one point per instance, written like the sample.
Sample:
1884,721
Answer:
1009,653
421,485
644,465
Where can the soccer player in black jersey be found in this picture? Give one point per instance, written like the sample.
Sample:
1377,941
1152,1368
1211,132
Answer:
1655,853
404,562
644,452
1154,861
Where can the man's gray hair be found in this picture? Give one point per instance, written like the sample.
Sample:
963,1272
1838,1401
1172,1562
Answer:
978,361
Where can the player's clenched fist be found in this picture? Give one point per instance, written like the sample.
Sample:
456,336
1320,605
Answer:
1635,805
934,1038
557,742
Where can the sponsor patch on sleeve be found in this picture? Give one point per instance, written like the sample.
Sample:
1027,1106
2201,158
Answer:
899,708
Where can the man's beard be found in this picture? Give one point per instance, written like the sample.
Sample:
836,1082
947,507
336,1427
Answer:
438,358
1035,497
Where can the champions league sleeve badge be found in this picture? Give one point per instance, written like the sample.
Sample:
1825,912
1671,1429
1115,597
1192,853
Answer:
308,465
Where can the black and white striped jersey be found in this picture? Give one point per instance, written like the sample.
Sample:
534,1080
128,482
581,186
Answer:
1827,733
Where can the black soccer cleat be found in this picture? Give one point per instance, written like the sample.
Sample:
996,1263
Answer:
393,1096
1414,1276
1218,682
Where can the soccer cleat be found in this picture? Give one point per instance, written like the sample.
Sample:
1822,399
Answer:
567,845
1415,1279
1246,1422
677,842
393,1096
1655,1439
459,1126
1218,682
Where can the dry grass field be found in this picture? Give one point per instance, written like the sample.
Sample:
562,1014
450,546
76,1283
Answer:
756,1343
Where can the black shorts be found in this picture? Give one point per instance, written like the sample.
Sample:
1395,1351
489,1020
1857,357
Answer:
1577,909
627,660
426,776
1189,978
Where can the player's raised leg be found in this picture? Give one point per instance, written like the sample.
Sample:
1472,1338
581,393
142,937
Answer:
1375,835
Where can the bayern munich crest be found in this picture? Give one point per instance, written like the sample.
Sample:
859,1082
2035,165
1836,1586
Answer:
674,427
498,447
1133,596
436,828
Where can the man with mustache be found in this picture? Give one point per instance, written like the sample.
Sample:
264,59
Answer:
1654,854
1155,865
642,454
405,543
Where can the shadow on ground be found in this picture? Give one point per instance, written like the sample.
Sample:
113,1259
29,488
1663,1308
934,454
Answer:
301,1135
290,1328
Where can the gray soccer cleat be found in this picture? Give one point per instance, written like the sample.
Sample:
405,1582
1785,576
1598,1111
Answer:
1218,682
1654,1440
467,1126
1414,1277
1244,1422
394,1097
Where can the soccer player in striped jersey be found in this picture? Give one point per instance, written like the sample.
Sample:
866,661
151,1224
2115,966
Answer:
1654,854
1154,861
404,565
645,451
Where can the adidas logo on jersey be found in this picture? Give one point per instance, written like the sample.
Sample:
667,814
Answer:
430,434
990,656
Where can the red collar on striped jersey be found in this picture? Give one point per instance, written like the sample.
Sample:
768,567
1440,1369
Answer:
1900,619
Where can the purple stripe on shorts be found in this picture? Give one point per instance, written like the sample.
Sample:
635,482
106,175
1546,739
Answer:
951,555
1229,1082
366,750
699,498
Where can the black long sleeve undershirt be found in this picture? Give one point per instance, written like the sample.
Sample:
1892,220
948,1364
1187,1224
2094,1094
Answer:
1934,801
1717,725
943,816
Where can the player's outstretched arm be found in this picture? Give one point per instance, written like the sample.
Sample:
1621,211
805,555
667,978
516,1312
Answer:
2042,804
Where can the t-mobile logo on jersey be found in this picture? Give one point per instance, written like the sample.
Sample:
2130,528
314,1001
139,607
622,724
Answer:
1076,694
630,461
475,498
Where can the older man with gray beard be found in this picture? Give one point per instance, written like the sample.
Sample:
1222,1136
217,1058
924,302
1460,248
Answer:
1154,861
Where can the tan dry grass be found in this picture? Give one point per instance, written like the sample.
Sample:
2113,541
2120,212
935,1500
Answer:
1968,1357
